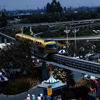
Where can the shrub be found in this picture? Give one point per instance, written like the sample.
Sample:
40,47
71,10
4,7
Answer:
19,84
75,92
15,89
81,91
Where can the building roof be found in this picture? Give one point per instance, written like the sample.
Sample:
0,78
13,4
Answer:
56,84
51,80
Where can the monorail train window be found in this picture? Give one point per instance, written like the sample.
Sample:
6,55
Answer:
51,45
47,40
33,41
30,41
23,38
38,43
18,37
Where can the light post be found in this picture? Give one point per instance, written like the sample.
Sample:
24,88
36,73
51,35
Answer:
75,35
67,31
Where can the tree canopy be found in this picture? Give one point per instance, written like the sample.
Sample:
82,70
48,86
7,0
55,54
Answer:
16,56
3,19
64,75
54,7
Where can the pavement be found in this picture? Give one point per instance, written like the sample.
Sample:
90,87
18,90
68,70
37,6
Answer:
36,91
22,96
90,96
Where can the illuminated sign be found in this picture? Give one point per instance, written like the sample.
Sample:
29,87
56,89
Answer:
49,89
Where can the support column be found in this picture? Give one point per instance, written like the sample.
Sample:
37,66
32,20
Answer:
22,30
92,21
5,40
31,30
98,89
44,71
0,39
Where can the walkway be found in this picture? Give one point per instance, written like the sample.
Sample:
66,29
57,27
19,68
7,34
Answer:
36,91
90,96
21,96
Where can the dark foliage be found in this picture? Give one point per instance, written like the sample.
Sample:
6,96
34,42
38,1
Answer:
16,56
54,14
3,19
16,89
75,93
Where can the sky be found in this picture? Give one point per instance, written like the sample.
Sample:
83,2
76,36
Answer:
33,4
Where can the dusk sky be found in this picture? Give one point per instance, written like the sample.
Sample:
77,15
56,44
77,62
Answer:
33,4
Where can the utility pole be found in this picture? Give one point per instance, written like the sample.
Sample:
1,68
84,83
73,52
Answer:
67,31
75,35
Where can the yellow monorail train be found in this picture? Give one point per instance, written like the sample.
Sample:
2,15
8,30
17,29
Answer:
39,46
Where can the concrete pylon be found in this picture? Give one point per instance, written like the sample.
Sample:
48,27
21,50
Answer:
0,39
44,71
22,30
5,40
31,30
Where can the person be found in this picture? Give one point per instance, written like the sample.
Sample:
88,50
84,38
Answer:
56,98
92,89
39,97
28,96
33,97
96,98
79,98
48,97
96,82
59,98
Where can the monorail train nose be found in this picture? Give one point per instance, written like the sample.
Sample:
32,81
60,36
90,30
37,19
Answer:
51,46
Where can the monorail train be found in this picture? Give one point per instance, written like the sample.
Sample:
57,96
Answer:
42,47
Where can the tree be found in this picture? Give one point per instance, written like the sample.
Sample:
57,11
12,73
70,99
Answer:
64,75
3,19
54,7
48,9
16,56
25,20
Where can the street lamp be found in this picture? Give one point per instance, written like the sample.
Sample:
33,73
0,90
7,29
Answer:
67,31
75,35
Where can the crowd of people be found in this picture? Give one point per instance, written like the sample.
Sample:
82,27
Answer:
40,97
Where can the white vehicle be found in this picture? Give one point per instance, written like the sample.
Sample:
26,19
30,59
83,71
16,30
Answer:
77,57
88,55
62,51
